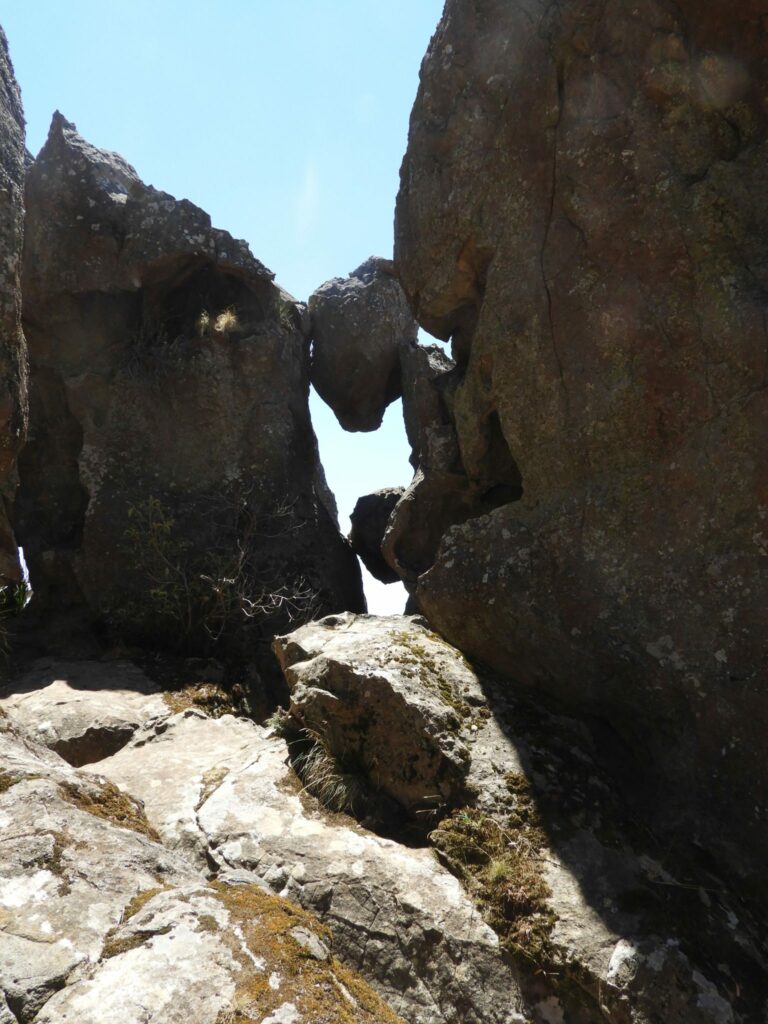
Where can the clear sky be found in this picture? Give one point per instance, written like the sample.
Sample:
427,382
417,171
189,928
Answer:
285,119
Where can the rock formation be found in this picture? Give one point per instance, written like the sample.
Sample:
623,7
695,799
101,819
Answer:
358,324
171,488
582,211
560,909
369,520
13,359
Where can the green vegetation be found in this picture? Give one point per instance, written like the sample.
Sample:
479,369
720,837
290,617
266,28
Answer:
500,864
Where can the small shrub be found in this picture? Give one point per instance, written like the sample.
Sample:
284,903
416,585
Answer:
226,321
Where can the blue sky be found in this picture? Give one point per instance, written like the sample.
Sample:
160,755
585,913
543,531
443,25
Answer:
285,119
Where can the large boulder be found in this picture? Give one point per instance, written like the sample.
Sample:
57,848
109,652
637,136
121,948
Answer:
171,487
13,358
582,210
358,324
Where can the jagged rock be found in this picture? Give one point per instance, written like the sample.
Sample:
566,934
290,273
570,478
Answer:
85,711
223,792
13,356
583,211
171,487
384,696
358,323
369,523
101,923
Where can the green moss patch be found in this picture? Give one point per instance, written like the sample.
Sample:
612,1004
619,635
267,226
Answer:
500,863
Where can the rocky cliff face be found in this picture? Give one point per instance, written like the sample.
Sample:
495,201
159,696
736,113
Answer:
171,488
582,211
13,360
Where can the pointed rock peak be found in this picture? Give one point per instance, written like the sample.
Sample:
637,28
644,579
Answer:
65,145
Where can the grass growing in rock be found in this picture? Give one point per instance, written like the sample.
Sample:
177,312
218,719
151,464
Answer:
107,802
500,864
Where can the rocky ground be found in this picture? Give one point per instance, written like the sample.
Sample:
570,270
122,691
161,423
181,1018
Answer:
518,889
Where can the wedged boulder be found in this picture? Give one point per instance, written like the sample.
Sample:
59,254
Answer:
13,356
427,377
358,324
608,326
101,923
369,523
84,711
224,792
384,698
171,488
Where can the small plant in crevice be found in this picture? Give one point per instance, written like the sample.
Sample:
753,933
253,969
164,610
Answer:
325,777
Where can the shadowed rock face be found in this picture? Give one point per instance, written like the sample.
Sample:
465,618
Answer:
171,486
13,359
582,209
369,523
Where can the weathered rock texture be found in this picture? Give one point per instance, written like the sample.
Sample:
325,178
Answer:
358,323
602,920
223,793
369,521
85,711
100,923
13,359
171,486
582,209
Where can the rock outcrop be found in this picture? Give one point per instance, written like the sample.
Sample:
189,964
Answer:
369,521
358,324
84,711
582,211
171,488
602,920
223,793
101,923
13,358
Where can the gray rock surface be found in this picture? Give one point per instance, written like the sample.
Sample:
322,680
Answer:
358,324
385,698
223,791
101,923
369,523
13,356
86,710
171,488
561,219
